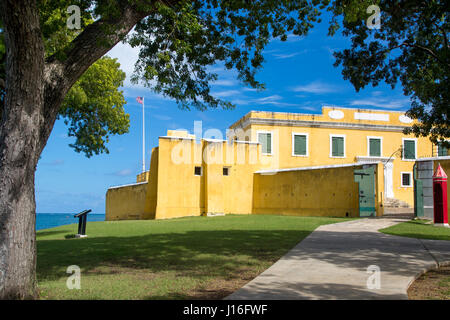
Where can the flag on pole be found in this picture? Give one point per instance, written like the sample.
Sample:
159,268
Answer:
141,101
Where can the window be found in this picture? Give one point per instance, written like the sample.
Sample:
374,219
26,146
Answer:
337,146
374,146
265,139
198,171
442,150
226,171
409,149
406,179
300,144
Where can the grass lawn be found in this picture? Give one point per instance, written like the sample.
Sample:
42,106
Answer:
418,229
195,258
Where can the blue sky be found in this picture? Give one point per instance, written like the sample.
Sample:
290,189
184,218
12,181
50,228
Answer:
299,76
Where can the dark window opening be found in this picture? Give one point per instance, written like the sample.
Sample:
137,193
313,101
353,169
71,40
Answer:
406,179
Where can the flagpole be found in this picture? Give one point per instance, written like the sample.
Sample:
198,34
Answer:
143,135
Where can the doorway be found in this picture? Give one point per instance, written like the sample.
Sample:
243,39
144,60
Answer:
366,182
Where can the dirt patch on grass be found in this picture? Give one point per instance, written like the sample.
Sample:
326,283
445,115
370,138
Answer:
220,288
433,285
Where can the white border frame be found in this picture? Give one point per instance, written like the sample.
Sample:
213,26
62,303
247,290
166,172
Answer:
331,145
293,145
410,179
368,146
271,141
403,148
201,171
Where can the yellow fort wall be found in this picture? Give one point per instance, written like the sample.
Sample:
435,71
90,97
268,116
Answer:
179,192
135,201
152,186
171,189
126,202
319,128
312,192
182,193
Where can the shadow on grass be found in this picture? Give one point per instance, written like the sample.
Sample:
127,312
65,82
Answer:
194,253
51,233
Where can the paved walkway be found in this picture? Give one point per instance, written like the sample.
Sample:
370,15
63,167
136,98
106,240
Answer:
332,262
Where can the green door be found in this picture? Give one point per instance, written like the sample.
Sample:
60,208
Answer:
418,198
366,181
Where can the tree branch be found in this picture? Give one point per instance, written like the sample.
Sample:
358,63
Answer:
94,42
428,50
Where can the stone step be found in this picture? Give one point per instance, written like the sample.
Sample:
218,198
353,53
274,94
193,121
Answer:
395,210
395,203
398,216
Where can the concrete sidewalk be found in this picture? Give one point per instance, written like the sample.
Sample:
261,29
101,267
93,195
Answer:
332,262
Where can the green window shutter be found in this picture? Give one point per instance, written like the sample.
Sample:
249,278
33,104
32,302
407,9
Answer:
337,147
299,145
269,142
265,139
442,151
375,147
409,149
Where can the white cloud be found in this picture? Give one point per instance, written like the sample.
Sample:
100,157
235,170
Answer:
274,100
224,83
249,89
385,103
271,98
127,57
285,55
288,55
226,93
316,87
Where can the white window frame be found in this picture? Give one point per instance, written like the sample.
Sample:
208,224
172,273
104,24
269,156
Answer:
410,179
201,171
368,145
271,141
293,144
403,148
331,145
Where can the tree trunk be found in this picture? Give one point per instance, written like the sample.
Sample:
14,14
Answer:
20,148
35,89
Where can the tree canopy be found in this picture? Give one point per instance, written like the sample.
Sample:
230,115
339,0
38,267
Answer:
93,108
179,40
411,47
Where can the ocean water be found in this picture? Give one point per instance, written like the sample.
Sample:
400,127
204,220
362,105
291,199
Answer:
51,220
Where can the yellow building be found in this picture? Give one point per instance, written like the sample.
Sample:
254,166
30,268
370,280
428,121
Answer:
343,162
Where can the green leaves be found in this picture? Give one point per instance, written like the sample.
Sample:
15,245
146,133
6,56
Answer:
412,47
93,108
179,42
